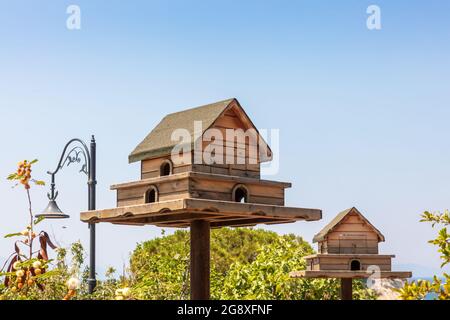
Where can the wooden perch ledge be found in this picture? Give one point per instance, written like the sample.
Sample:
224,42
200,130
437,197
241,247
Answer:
350,274
180,213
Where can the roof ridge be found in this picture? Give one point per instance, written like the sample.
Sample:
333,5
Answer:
199,107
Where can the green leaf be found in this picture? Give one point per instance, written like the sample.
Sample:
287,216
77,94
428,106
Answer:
38,220
34,161
39,182
48,274
12,176
12,235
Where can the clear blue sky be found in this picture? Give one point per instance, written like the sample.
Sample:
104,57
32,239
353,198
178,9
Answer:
363,114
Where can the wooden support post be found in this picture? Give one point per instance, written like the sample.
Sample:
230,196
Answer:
200,260
346,289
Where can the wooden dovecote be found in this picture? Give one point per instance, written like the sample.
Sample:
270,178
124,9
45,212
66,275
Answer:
349,243
348,249
208,178
225,188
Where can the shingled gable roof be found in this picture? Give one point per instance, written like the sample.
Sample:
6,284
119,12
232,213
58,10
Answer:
321,236
159,142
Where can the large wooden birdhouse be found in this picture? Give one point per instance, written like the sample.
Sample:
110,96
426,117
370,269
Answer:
348,249
173,192
200,168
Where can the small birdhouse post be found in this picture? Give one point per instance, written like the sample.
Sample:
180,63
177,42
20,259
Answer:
200,169
348,249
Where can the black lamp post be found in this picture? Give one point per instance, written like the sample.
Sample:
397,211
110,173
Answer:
77,154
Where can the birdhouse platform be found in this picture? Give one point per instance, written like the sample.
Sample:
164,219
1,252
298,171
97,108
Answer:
180,213
350,274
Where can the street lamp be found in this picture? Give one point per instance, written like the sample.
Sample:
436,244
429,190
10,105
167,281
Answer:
52,212
79,153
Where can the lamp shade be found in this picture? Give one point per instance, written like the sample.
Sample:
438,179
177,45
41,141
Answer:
52,212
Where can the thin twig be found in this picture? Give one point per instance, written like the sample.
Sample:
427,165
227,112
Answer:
30,233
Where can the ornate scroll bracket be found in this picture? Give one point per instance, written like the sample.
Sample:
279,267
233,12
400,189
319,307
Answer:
77,155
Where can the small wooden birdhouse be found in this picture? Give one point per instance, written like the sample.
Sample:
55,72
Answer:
348,249
349,242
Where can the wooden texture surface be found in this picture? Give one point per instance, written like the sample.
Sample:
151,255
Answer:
200,260
151,168
333,262
351,215
180,213
200,185
346,289
351,233
349,274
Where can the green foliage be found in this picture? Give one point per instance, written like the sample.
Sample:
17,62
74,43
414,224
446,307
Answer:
159,268
245,264
420,289
32,276
55,281
267,277
26,276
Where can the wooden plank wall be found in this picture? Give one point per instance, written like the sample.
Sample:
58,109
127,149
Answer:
353,235
151,168
312,264
202,187
222,190
343,263
170,190
245,164
250,171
